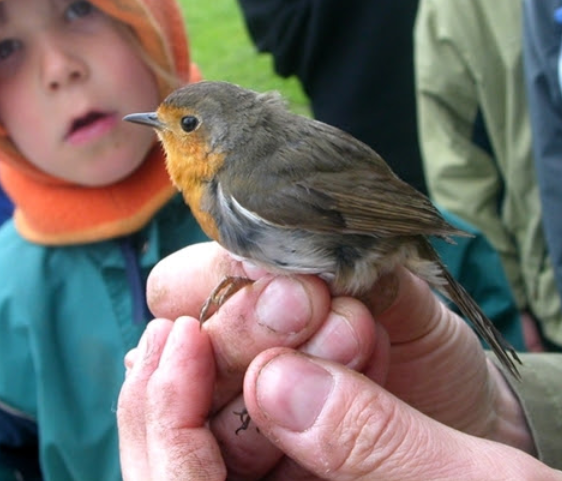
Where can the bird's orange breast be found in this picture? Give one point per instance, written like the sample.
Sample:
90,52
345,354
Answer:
192,167
193,198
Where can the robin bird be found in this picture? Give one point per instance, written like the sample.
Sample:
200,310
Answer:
295,195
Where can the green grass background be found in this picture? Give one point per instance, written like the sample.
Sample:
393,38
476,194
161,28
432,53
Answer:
223,50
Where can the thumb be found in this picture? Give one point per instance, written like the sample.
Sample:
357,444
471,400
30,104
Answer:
338,424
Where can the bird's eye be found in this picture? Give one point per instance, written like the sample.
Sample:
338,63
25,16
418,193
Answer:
189,123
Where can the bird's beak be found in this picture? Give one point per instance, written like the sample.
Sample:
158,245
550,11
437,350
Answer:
148,118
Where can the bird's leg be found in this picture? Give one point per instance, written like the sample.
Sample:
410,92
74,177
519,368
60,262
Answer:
229,286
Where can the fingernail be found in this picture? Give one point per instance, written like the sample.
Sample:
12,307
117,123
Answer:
292,390
144,343
337,342
130,359
176,339
284,306
146,346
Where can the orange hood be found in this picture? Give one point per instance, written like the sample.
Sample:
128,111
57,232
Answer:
52,211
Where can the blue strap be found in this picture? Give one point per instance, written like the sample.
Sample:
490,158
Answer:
141,313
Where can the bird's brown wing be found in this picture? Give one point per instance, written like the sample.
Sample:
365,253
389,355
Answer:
385,207
324,180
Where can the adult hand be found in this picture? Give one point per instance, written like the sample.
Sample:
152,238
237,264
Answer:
164,403
333,422
273,311
435,364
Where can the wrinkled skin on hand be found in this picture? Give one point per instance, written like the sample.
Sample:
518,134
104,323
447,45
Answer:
335,393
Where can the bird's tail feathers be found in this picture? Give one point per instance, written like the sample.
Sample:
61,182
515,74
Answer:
454,291
483,326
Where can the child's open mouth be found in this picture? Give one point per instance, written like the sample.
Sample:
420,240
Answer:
90,127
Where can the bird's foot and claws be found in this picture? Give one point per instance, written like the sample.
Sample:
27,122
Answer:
226,288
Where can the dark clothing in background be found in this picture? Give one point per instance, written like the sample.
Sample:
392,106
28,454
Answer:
354,60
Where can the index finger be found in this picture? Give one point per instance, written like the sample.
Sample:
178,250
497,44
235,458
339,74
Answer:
181,283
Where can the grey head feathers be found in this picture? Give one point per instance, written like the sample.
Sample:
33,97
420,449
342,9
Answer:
228,112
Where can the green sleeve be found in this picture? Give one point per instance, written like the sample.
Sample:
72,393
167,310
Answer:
540,395
461,176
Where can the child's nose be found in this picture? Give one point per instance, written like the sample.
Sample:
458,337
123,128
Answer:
61,68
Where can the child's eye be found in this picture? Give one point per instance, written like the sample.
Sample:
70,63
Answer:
8,47
79,9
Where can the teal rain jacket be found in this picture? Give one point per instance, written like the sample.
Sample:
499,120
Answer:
68,316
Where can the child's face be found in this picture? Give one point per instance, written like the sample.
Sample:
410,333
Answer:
67,77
